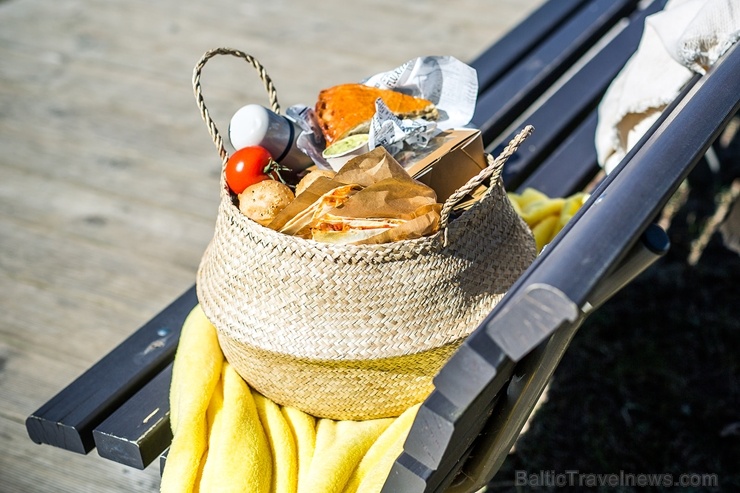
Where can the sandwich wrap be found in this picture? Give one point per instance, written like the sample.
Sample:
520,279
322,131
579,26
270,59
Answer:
371,200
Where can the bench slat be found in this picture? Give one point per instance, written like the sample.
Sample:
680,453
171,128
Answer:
520,87
511,48
68,419
563,111
600,232
432,462
571,166
138,431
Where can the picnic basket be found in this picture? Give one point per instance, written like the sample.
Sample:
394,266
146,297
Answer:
354,331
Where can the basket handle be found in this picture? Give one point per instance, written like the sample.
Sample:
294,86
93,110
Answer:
492,171
212,130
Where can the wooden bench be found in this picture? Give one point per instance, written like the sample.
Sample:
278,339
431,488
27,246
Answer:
550,71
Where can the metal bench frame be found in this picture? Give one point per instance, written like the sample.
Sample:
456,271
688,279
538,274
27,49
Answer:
550,71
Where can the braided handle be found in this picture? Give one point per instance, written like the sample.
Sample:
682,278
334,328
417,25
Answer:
492,171
212,130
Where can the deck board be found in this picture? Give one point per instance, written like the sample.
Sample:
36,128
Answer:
108,178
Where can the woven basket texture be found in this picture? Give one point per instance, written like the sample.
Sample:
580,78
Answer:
356,331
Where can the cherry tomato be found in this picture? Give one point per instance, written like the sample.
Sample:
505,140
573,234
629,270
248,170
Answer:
247,166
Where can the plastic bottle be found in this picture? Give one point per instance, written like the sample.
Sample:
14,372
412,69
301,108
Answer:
256,125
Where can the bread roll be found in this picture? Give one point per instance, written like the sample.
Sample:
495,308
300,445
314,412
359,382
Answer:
262,201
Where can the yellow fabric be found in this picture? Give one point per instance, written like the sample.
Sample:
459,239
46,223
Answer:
283,446
340,446
238,453
197,366
229,438
545,216
372,470
303,427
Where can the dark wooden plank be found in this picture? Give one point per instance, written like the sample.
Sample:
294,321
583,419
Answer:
571,166
499,106
436,448
563,111
138,431
532,373
450,418
68,419
511,48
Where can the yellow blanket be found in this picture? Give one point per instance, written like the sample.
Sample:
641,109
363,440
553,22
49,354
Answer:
229,438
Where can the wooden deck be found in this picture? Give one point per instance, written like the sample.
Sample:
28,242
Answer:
109,180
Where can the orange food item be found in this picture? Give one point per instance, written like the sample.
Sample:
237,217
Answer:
347,109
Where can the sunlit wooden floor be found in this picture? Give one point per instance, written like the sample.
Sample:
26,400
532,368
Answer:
109,180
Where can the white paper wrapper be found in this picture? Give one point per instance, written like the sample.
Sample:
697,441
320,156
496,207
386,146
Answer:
444,80
389,131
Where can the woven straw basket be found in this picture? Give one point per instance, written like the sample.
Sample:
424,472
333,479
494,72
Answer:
355,331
